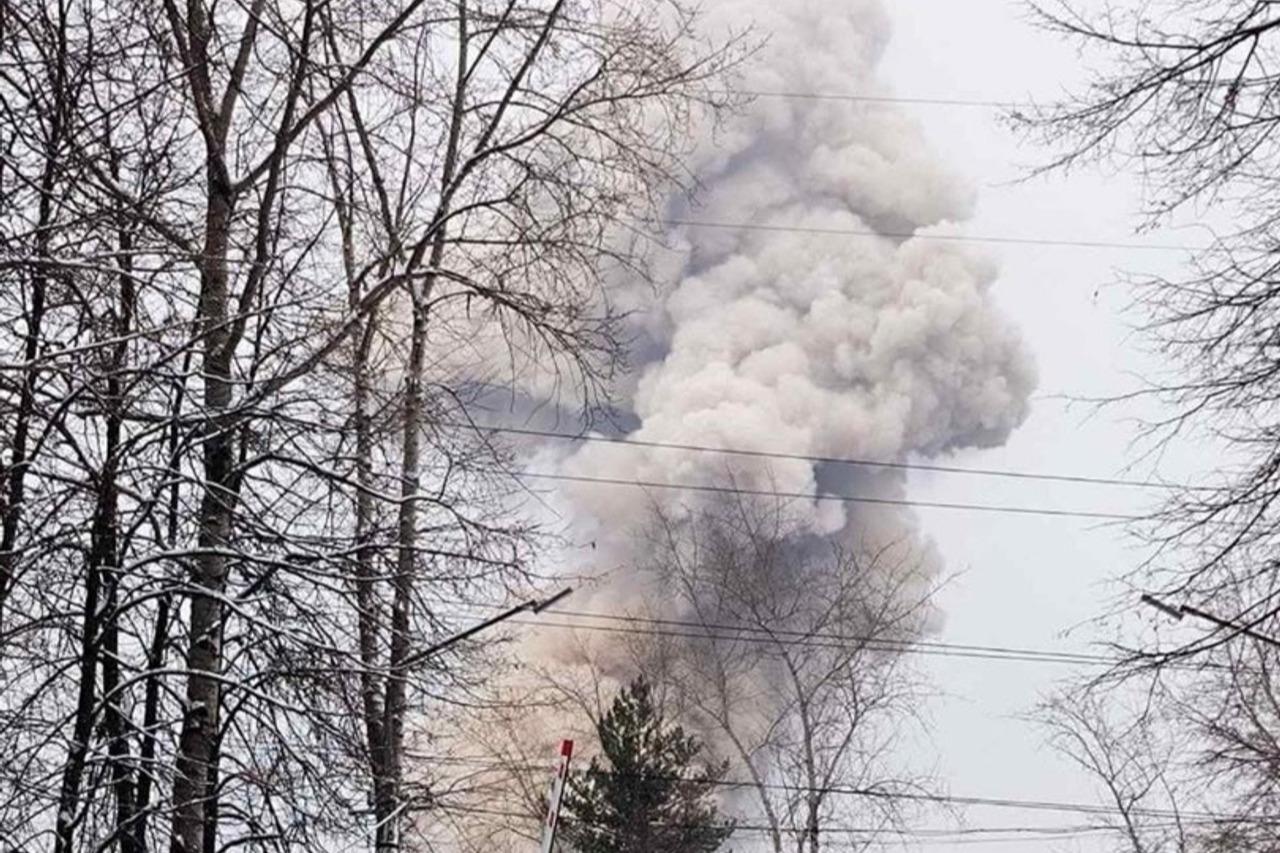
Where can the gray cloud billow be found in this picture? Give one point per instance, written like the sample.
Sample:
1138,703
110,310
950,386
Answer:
884,343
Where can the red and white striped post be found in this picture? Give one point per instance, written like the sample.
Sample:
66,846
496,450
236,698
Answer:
557,794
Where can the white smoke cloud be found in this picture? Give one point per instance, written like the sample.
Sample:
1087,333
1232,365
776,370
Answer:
784,336
791,336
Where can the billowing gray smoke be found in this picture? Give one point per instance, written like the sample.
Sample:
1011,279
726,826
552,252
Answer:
794,335
790,335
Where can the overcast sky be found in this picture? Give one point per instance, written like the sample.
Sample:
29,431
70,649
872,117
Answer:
1026,581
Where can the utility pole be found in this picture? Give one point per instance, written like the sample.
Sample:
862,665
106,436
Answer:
1187,610
557,794
534,606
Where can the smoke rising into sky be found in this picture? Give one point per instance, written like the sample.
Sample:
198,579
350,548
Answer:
882,343
813,313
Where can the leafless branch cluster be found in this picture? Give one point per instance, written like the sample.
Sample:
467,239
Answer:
1188,95
786,654
796,669
255,255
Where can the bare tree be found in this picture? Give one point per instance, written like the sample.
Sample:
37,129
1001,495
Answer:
535,167
1129,759
255,255
1186,95
797,663
785,652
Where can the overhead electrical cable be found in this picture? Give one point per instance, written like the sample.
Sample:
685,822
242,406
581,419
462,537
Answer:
942,836
675,627
792,637
1012,509
876,99
641,626
871,645
932,237
1064,806
783,633
824,460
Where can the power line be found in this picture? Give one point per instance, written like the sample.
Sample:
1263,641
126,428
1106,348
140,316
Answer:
825,460
801,639
818,639
793,637
822,496
948,238
828,644
939,834
962,835
911,796
1075,656
878,99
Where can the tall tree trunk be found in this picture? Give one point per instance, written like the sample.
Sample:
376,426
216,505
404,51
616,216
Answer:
368,617
150,720
812,795
209,568
14,487
162,622
221,335
100,538
209,841
388,809
368,606
99,632
108,548
73,770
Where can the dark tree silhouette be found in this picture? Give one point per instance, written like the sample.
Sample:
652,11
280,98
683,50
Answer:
254,259
647,792
1185,94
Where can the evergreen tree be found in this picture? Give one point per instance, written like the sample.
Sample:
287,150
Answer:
647,793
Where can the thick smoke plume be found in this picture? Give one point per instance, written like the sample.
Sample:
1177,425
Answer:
815,313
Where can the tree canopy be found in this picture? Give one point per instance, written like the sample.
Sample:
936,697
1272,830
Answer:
647,792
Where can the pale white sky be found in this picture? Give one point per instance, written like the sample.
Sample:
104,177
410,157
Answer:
1026,581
